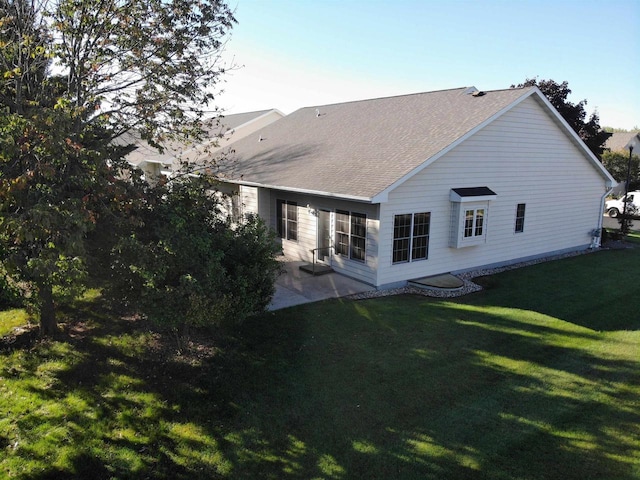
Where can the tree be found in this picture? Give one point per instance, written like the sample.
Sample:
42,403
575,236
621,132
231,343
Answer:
635,129
74,76
187,265
618,162
574,113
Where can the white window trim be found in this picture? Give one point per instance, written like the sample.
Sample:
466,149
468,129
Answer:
286,232
462,200
350,235
410,238
458,217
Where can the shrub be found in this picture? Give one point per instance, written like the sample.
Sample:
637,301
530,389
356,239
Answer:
186,265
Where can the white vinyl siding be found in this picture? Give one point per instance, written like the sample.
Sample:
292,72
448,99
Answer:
302,249
524,158
248,199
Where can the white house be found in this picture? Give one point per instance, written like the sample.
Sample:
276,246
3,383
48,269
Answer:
392,189
621,141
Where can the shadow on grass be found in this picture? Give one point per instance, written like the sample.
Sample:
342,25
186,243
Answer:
399,387
434,396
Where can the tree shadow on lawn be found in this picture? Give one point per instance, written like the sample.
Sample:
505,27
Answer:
389,388
431,397
114,409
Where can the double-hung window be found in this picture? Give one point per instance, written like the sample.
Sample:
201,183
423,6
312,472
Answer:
519,227
474,222
287,213
358,236
351,235
411,237
342,233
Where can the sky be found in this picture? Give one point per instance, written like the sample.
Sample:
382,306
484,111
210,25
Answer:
291,54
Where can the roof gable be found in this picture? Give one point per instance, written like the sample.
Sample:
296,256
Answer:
363,150
359,149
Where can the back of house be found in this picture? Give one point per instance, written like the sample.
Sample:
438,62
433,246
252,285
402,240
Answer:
392,189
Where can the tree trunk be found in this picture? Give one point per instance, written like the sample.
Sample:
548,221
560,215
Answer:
48,322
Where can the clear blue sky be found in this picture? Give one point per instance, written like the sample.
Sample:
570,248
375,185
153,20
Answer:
297,53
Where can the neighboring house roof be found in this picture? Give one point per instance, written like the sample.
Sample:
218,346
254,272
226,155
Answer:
229,122
219,132
620,141
363,149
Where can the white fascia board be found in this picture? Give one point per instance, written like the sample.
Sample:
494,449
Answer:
634,143
305,191
609,180
384,195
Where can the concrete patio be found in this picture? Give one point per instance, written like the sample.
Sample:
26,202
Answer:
295,287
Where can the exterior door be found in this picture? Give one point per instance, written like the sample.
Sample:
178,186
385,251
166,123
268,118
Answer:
324,236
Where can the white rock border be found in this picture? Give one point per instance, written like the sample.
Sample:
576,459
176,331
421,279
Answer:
467,277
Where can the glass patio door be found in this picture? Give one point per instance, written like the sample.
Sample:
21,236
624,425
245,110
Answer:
324,236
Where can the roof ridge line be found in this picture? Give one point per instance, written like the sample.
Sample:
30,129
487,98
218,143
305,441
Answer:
406,95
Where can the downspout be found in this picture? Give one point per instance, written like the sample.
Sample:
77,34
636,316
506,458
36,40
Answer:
597,241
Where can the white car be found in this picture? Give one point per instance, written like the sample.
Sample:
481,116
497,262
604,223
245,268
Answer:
615,207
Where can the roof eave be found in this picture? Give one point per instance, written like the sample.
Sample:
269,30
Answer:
354,198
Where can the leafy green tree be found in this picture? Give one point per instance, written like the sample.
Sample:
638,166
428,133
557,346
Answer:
52,191
187,265
588,130
618,163
147,66
635,129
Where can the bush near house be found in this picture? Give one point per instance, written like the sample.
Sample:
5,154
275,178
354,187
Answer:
185,265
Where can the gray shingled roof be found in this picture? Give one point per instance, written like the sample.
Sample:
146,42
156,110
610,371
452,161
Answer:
214,128
229,122
620,140
359,149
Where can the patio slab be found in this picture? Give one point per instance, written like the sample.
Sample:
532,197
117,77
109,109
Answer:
295,287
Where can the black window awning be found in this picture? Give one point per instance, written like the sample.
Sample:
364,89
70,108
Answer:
472,194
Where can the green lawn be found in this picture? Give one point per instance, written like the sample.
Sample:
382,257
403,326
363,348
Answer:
537,377
10,319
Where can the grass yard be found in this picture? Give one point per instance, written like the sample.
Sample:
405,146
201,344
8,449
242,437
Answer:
537,377
10,319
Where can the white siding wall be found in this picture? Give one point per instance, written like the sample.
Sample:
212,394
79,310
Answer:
524,158
249,199
308,206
